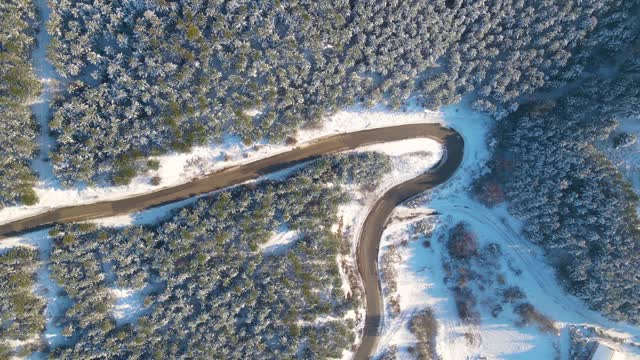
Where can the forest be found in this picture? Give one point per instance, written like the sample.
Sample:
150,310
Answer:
18,86
22,311
144,78
209,291
147,78
573,200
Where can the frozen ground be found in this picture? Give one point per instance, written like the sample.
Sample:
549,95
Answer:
420,274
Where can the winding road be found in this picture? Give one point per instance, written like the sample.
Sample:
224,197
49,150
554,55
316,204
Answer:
375,223
373,227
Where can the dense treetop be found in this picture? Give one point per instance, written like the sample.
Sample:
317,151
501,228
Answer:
209,291
18,85
22,310
150,77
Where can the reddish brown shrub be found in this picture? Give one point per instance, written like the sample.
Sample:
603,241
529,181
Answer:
462,242
489,191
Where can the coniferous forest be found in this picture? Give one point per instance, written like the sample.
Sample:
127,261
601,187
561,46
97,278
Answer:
146,78
18,87
209,290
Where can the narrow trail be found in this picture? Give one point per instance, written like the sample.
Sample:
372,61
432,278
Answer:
42,106
528,254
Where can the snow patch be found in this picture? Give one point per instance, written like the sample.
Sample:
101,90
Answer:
280,241
128,304
403,147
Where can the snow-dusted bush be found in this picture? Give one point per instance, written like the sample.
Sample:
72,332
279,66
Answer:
529,315
424,327
462,242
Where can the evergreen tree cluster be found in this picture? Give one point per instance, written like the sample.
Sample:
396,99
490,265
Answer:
212,293
18,86
151,77
21,310
573,200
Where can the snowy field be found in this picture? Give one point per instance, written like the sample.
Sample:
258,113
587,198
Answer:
420,274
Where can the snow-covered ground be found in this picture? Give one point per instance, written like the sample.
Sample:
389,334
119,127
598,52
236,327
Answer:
41,107
420,273
280,241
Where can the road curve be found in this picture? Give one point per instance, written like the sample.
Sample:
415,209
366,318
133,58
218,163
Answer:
227,177
374,225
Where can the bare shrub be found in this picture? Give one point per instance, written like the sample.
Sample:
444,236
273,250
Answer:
466,305
489,191
496,310
354,289
530,315
394,305
388,259
290,140
155,180
196,166
390,353
425,227
512,294
470,338
462,242
424,327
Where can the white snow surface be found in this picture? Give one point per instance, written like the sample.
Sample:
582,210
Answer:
127,305
280,241
402,147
